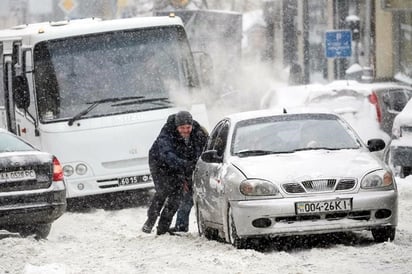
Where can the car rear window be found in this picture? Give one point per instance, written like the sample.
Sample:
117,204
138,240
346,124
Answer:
395,99
9,143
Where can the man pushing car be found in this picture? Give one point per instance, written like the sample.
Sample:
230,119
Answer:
172,159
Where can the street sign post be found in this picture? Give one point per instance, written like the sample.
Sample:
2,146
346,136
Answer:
338,44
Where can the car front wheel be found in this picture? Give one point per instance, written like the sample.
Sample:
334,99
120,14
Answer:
405,171
201,226
383,234
233,237
200,223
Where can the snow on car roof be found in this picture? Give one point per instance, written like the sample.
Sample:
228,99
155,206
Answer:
365,88
287,96
240,116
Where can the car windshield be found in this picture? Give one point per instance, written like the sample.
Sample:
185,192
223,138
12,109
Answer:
287,134
73,73
10,143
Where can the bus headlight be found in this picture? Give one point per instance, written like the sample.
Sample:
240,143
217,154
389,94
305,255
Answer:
68,170
81,169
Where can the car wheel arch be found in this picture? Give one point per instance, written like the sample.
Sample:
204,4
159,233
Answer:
237,242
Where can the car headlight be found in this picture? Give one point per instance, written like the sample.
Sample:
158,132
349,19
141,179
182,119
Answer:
378,179
257,187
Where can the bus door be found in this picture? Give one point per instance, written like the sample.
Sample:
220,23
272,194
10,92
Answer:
20,106
3,118
8,73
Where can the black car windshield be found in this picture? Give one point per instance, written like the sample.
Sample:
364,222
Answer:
10,143
144,63
291,133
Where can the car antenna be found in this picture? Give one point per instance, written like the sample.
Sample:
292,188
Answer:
285,111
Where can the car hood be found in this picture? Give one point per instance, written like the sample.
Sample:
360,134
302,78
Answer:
307,165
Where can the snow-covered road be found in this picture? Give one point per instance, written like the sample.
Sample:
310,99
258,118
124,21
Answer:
110,241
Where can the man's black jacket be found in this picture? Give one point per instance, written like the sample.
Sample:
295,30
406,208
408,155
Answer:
170,157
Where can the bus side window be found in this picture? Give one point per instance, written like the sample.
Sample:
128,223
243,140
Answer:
48,94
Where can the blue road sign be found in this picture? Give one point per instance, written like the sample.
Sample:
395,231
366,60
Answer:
338,44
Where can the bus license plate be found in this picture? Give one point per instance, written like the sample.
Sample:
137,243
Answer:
338,205
132,180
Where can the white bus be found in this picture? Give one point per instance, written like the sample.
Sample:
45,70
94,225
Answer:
95,93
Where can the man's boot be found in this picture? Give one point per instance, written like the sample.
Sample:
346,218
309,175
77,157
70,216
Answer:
148,225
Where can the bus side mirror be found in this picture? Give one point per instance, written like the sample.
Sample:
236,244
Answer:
21,94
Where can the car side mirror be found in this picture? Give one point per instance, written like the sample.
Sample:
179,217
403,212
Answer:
376,145
21,92
211,156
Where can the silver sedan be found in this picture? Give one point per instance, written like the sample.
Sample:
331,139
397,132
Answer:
267,175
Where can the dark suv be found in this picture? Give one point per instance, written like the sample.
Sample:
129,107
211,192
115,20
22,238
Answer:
32,189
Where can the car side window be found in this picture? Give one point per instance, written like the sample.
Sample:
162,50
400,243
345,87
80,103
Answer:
395,100
213,135
221,139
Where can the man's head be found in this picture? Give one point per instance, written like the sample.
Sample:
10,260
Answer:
184,123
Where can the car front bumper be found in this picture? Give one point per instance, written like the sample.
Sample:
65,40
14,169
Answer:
280,217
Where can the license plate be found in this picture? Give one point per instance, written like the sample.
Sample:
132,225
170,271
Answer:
19,175
338,205
132,180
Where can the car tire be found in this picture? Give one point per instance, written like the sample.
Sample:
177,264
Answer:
384,234
200,223
41,231
233,237
405,171
201,226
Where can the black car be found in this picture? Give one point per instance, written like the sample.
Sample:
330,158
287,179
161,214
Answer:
32,187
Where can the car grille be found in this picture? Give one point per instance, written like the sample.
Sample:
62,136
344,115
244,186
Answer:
43,179
319,185
323,185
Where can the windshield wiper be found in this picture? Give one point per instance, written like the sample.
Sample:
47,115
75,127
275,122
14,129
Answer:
94,104
317,148
255,152
160,100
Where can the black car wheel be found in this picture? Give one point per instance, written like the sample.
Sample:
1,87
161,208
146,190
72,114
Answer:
41,231
233,237
405,171
384,234
200,223
201,226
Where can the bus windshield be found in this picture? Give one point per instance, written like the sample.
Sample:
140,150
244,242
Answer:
125,71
